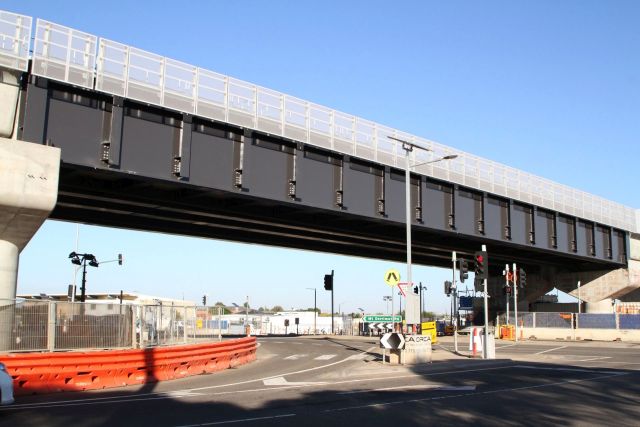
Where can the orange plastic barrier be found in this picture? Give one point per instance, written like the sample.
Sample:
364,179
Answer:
35,373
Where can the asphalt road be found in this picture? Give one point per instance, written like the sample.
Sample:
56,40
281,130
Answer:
325,382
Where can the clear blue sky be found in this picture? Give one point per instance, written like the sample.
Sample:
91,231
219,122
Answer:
550,87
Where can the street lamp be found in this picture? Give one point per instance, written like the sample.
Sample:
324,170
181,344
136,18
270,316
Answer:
83,260
408,148
387,298
315,310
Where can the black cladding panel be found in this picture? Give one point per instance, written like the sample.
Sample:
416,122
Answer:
266,168
147,147
394,195
544,228
467,211
316,178
76,128
211,161
495,218
565,233
520,224
359,187
437,205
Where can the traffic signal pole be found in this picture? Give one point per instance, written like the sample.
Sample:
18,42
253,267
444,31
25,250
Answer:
333,331
486,312
515,298
455,298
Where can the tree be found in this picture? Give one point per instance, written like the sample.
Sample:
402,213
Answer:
277,308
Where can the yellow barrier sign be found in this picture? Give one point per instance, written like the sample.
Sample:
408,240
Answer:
199,323
429,328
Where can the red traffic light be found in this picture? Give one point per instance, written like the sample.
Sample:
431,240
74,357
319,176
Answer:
480,259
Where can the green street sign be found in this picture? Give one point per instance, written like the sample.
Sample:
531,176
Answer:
383,319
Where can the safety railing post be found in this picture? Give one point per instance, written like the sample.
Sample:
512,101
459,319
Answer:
51,326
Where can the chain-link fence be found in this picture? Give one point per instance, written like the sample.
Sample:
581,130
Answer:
37,325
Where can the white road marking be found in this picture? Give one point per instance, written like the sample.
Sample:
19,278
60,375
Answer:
157,396
325,357
213,423
453,396
295,356
590,359
179,393
551,349
505,346
433,387
589,371
283,381
358,356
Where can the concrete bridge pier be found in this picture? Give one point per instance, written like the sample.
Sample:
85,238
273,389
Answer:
29,190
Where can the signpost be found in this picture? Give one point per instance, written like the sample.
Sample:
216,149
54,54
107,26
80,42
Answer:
392,278
391,341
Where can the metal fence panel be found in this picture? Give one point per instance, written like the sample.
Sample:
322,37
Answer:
15,32
596,320
554,320
23,325
629,321
89,325
64,54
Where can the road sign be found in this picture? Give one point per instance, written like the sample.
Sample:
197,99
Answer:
466,303
392,340
370,318
392,277
380,326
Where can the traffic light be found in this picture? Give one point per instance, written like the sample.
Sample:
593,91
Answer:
204,300
416,290
447,287
481,265
119,259
328,282
463,267
507,289
522,278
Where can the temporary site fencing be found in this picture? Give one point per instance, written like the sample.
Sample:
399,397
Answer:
41,325
572,320
48,325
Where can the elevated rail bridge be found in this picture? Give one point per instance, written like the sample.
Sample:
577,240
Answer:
126,138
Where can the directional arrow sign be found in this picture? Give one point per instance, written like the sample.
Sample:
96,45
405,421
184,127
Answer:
370,318
392,340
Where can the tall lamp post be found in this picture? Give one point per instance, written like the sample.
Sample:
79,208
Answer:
83,260
315,310
408,148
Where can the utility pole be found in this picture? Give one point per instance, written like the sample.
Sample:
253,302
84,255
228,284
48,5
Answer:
506,275
515,298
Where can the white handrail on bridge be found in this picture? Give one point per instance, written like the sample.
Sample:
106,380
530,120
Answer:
68,55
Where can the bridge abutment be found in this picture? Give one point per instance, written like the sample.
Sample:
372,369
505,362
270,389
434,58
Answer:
29,180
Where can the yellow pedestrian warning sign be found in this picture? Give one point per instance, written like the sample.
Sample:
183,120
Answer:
392,277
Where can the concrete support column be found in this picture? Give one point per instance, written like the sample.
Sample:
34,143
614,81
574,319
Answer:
9,254
29,189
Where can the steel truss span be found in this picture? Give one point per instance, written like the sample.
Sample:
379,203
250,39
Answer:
81,59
